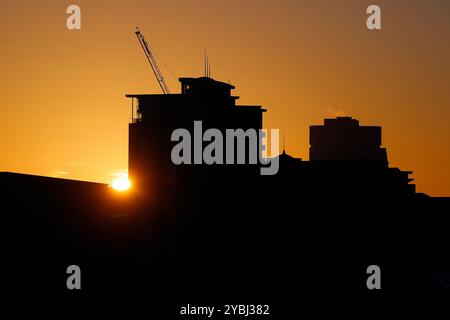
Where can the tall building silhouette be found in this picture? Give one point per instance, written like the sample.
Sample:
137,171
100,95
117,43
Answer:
157,115
344,139
351,155
218,231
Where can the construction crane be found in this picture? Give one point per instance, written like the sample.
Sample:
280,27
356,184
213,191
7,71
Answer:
152,61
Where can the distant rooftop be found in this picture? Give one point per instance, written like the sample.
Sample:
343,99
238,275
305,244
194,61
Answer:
199,86
205,81
341,121
205,85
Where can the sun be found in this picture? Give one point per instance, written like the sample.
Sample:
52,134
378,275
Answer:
121,183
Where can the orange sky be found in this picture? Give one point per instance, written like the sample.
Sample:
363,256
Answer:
63,106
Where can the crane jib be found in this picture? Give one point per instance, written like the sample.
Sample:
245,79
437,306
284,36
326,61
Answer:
148,53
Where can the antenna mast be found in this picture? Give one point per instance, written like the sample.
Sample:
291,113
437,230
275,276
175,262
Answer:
152,61
207,66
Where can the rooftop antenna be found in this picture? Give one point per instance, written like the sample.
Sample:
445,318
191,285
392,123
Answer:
209,70
284,142
207,66
204,64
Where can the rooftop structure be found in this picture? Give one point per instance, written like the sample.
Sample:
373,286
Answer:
344,139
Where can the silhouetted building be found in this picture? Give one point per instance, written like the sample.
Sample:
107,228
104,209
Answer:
348,156
344,139
158,115
206,232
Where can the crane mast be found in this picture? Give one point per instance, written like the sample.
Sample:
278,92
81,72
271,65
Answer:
152,61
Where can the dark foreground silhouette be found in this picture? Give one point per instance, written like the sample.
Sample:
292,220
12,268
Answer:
216,232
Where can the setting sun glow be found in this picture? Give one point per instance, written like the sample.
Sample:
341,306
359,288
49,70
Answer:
121,183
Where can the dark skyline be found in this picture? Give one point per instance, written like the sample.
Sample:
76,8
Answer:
63,91
202,232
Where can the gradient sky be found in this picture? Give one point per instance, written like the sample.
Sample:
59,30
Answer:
63,110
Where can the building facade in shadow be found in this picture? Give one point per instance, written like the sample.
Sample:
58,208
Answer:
217,231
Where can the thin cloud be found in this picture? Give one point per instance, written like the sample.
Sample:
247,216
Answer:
330,112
